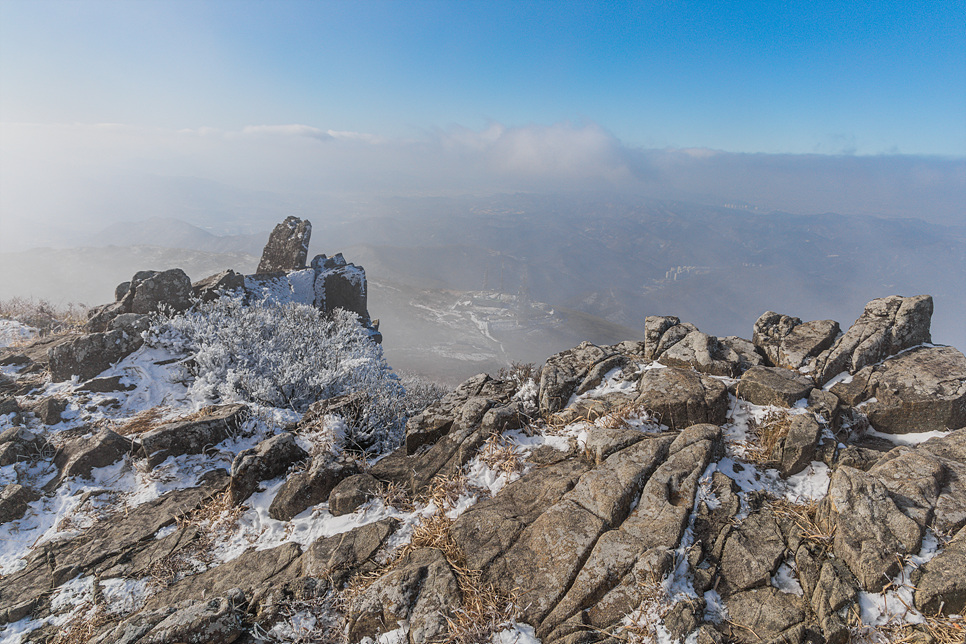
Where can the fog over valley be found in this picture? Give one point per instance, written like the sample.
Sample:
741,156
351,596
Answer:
469,284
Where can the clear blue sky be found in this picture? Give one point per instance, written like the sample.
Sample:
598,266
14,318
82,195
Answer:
796,77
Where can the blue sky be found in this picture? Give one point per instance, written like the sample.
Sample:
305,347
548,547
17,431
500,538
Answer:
774,77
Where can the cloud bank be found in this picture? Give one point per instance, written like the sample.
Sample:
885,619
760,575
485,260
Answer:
57,179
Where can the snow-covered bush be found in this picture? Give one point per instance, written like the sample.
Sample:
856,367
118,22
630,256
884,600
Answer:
287,355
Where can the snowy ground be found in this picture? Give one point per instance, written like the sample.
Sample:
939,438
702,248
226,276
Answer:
163,388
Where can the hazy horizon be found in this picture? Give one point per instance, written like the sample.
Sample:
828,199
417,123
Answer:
231,116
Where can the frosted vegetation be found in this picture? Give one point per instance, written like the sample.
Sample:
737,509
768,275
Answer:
290,355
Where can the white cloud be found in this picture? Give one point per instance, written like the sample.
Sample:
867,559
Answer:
66,174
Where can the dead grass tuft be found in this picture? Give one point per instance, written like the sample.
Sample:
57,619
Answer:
81,630
48,318
641,625
501,455
766,435
519,373
805,516
396,496
484,610
934,630
144,421
214,519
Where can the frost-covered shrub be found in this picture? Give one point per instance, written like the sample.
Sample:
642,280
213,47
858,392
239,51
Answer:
287,355
420,393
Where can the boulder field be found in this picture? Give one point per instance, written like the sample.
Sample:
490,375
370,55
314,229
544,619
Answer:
808,485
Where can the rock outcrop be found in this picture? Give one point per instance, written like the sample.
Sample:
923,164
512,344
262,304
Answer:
287,247
632,488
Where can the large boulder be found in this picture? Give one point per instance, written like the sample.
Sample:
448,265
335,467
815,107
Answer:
887,326
700,351
309,487
88,355
219,284
270,458
921,390
287,247
563,372
194,435
774,386
682,397
147,292
340,285
870,529
166,290
787,342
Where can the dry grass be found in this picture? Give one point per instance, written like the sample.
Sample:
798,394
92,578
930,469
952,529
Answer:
805,516
48,318
396,496
933,630
641,625
501,455
484,609
216,518
82,629
143,422
519,373
766,435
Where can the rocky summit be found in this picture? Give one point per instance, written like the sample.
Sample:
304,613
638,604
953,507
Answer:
807,485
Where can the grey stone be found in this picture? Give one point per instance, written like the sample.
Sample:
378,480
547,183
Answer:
920,390
773,386
795,451
340,556
942,587
787,342
18,444
563,372
887,326
763,614
769,331
681,397
346,288
214,286
192,436
304,489
421,588
739,353
88,355
14,500
287,247
134,324
870,529
49,410
107,546
105,385
80,456
807,341
270,458
490,527
752,553
169,290
213,621
654,329
251,572
701,352
352,492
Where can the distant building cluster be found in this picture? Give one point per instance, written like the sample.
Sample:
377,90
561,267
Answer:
679,271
